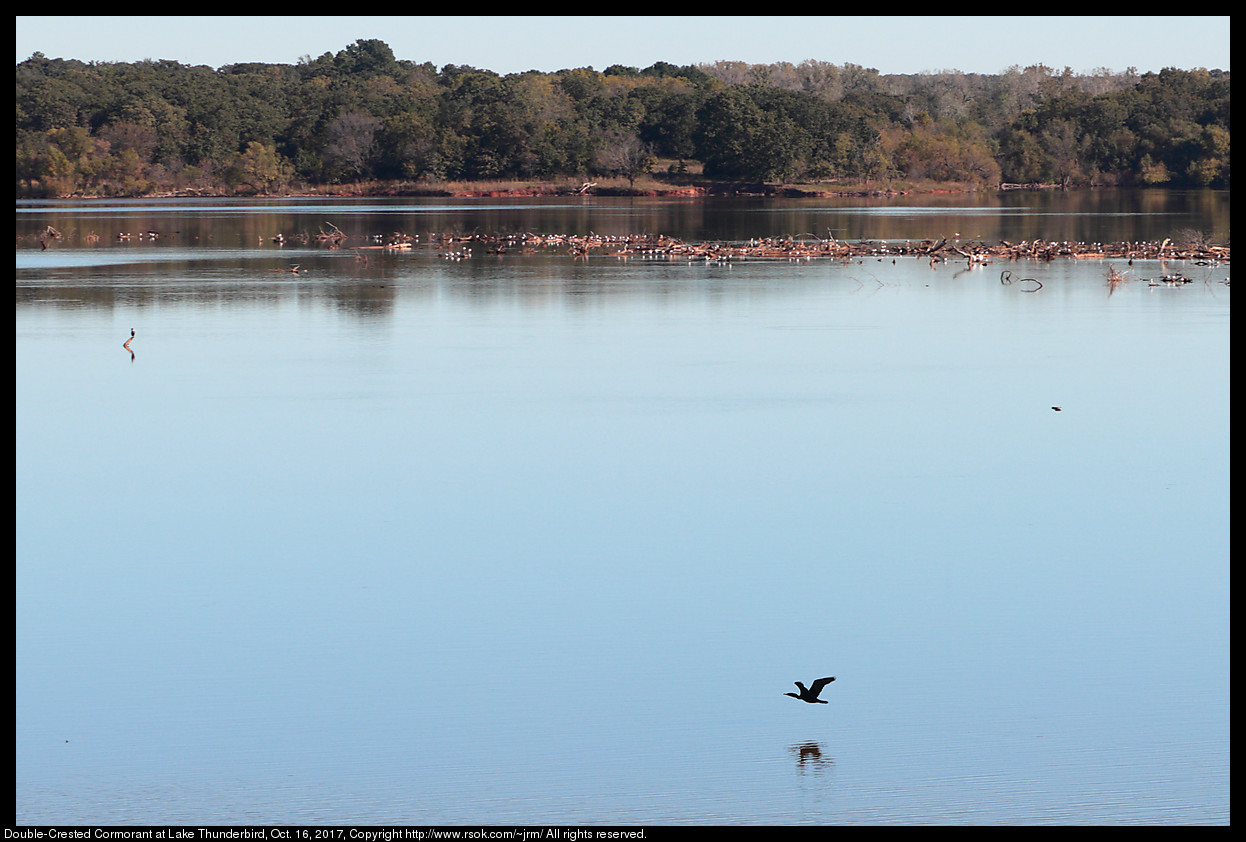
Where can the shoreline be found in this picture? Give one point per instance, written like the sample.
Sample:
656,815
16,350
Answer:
547,189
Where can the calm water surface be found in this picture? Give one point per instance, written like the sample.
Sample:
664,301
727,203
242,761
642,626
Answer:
536,540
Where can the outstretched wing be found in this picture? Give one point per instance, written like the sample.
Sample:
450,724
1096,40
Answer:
819,684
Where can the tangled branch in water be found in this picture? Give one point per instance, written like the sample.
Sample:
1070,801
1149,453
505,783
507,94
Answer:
1005,278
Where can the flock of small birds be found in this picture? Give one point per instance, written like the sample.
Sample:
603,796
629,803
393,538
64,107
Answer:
802,247
809,247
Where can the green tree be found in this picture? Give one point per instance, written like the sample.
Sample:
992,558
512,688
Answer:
366,57
729,124
259,166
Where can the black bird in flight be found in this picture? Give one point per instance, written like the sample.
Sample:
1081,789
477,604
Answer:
810,694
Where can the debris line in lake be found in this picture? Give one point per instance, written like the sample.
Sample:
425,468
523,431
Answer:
811,247
795,247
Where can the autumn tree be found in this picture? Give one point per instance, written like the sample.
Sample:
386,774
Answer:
625,154
259,166
349,141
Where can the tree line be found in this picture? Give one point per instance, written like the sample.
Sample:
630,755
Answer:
361,114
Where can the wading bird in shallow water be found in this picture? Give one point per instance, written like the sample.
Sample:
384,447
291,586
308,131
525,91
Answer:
810,694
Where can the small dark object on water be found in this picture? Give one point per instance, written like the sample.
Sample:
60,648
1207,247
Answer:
1058,408
810,694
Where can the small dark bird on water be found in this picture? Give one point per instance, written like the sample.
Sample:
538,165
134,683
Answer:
810,694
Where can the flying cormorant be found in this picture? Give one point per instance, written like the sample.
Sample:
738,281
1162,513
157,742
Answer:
810,694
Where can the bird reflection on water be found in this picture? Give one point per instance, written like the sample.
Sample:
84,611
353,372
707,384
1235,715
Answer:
810,757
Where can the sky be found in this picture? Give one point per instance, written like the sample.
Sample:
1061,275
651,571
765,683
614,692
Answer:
902,44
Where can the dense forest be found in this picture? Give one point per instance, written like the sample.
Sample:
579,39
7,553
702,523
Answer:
363,116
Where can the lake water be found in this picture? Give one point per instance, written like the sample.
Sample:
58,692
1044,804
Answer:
534,540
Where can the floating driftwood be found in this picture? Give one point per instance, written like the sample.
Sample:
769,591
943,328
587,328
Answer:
333,237
386,247
809,247
1024,284
796,247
